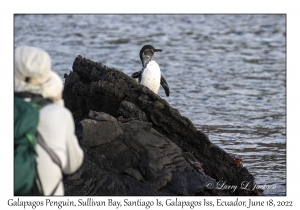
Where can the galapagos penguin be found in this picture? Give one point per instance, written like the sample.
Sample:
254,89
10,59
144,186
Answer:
150,75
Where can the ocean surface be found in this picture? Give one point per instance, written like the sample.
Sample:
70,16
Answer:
226,73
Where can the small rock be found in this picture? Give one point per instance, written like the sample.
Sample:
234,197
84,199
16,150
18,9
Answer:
101,116
134,173
130,110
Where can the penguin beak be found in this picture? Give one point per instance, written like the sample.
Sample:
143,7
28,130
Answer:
157,50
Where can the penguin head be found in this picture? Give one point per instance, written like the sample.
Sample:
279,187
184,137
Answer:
148,51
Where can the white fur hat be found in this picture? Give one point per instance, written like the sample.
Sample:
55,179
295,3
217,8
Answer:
33,73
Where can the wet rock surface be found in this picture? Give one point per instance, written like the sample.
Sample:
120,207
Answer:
135,143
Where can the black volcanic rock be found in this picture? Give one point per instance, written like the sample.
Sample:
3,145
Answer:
135,143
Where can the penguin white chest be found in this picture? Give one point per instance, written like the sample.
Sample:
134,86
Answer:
151,76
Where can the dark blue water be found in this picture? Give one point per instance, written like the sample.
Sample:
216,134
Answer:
227,73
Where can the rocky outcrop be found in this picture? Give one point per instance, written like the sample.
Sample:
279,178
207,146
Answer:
135,143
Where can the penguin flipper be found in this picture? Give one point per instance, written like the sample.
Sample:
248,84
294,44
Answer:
164,84
137,75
